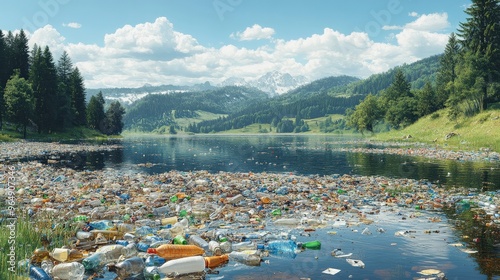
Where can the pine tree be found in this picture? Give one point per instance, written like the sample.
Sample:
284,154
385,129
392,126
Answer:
95,113
480,37
19,103
3,75
20,55
65,113
77,89
447,71
114,118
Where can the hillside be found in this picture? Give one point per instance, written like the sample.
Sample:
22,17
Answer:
157,110
472,133
417,74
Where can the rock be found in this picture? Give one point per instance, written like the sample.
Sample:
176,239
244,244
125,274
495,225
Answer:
450,135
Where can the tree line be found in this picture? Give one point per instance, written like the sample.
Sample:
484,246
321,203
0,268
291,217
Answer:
467,81
47,96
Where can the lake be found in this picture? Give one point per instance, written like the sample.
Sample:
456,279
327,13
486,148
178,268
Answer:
386,256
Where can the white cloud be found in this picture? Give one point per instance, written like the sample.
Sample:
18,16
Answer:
255,32
392,27
156,53
75,25
413,14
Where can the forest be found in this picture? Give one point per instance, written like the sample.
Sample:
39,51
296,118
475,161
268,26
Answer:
467,81
39,94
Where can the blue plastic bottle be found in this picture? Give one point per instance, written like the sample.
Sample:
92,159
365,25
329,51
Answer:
155,260
101,225
37,273
142,247
281,248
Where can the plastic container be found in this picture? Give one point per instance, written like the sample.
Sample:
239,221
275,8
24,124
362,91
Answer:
113,252
47,266
279,246
171,251
154,260
198,241
95,261
214,248
60,254
101,225
245,245
39,255
69,271
151,273
244,258
184,265
179,239
314,245
37,273
169,221
215,261
129,267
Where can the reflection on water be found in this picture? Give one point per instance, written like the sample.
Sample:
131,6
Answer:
303,155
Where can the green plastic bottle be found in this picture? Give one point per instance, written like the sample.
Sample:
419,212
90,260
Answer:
276,212
179,239
314,245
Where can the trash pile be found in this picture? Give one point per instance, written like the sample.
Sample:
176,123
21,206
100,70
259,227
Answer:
183,223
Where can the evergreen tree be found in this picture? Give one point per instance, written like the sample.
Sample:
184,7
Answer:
399,102
3,75
43,78
20,54
427,100
114,118
77,89
19,103
64,70
95,113
480,37
447,71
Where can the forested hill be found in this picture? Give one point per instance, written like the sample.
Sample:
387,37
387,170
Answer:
417,74
157,110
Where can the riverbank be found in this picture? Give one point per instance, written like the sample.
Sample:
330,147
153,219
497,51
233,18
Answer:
10,134
476,133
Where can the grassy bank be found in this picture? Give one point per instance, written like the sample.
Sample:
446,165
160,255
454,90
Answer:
478,132
9,133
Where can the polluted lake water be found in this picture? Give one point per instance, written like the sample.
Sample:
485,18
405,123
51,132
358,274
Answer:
126,221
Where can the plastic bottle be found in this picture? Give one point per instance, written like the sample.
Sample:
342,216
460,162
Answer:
226,247
37,273
314,245
60,254
129,251
95,261
83,235
152,273
68,271
161,211
39,255
113,252
144,230
142,247
215,261
154,260
129,267
159,243
47,266
244,258
102,225
183,265
221,237
198,241
123,228
279,246
169,221
214,247
245,245
179,239
171,251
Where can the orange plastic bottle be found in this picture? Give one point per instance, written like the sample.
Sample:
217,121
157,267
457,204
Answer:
215,261
172,251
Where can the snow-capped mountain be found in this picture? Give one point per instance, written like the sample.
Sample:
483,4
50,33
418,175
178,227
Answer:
274,83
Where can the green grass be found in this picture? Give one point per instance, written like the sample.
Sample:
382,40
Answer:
28,233
480,131
9,133
203,116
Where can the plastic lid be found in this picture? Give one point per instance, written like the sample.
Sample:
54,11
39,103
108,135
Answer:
151,251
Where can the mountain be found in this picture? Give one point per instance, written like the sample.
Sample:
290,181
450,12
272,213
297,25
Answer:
128,96
157,110
274,83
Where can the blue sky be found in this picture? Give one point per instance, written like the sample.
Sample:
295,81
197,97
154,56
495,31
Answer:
130,43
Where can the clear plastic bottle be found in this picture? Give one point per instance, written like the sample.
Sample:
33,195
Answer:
102,225
129,267
198,241
37,273
152,273
129,251
112,252
95,261
183,265
226,247
60,254
214,247
69,271
47,266
171,251
244,258
245,245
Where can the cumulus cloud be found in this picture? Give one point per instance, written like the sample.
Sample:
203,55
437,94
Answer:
413,14
155,53
74,25
255,32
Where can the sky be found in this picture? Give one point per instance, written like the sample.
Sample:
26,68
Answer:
125,43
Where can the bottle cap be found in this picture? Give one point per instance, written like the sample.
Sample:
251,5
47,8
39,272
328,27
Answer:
151,251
